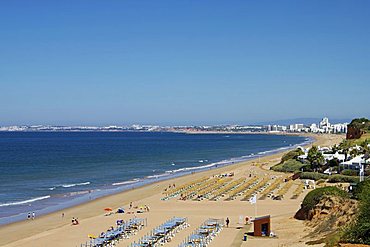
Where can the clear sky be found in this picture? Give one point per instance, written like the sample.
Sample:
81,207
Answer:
181,62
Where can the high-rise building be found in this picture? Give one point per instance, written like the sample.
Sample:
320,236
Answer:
324,123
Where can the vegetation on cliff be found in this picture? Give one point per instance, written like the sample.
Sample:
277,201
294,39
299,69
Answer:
291,155
327,210
289,162
337,218
360,123
314,197
289,166
359,231
359,129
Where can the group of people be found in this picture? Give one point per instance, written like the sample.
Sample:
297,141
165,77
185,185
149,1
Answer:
75,221
140,209
170,186
31,216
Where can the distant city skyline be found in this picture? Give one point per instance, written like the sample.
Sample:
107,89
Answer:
182,62
305,121
297,121
294,126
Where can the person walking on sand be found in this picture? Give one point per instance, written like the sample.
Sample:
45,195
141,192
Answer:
227,222
33,215
130,205
29,216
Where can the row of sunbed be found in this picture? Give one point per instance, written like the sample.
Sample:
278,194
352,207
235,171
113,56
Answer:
208,190
162,234
112,236
259,187
199,188
239,190
202,236
182,189
223,191
267,192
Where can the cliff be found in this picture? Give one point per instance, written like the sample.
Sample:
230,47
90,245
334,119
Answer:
329,214
357,128
354,133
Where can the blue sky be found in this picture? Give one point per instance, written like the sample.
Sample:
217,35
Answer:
182,62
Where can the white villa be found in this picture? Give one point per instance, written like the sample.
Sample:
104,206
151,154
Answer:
355,163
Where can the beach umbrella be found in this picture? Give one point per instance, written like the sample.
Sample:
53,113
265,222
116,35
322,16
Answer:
92,236
108,209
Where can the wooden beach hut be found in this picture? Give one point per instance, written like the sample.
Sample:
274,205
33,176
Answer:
262,226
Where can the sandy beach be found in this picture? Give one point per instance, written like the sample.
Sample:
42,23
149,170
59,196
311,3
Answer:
55,230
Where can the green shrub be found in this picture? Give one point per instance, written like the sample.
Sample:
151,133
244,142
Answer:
306,167
288,166
313,175
360,123
315,158
291,155
348,172
314,196
333,162
343,179
359,233
360,188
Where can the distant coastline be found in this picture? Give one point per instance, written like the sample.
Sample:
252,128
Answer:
323,127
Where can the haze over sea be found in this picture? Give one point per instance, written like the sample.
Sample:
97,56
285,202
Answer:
46,171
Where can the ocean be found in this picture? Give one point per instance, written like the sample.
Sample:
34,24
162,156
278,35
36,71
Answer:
47,171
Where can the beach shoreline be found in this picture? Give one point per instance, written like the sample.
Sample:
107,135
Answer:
58,202
92,209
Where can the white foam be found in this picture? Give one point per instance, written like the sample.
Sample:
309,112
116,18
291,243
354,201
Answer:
229,161
196,167
158,176
126,182
79,193
73,185
24,202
